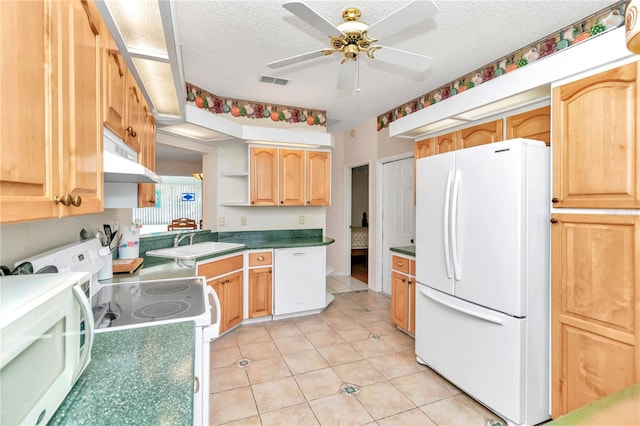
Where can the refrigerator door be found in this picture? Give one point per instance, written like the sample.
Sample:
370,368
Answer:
479,350
488,225
434,181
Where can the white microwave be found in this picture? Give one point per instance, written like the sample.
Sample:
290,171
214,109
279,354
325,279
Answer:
46,334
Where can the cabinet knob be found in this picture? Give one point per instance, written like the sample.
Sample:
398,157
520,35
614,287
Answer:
260,258
555,200
253,202
398,263
152,201
65,200
76,201
281,202
553,220
131,132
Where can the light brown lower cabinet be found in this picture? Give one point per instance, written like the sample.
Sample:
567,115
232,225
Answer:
595,308
260,284
403,293
225,276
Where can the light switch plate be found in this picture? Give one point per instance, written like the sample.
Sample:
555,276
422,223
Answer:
221,221
243,221
301,220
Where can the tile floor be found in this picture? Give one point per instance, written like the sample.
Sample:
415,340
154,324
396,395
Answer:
348,365
344,283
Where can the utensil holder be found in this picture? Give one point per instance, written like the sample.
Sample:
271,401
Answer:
106,273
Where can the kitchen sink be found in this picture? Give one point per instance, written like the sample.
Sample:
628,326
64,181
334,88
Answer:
193,251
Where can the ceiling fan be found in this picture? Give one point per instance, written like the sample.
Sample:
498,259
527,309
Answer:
354,36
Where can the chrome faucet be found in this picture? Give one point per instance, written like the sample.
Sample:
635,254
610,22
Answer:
181,237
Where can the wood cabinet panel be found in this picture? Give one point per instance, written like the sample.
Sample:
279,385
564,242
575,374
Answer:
264,176
292,173
115,88
480,134
400,264
596,153
220,267
445,143
260,290
318,178
135,114
260,258
412,304
400,300
231,287
595,287
425,148
147,191
534,124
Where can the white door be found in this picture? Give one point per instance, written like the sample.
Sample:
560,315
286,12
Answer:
398,212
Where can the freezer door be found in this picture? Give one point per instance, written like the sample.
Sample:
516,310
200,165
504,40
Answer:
433,193
489,226
479,350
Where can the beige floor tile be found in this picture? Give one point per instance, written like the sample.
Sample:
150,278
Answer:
340,410
234,404
224,357
226,341
337,287
484,411
339,354
319,383
267,369
382,327
302,362
323,338
222,379
410,356
453,411
251,334
443,382
291,344
383,400
392,366
413,417
337,320
277,394
399,341
280,329
354,332
363,319
359,373
420,388
259,350
370,348
309,324
299,415
249,421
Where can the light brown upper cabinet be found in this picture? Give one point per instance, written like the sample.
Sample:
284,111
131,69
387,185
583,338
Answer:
264,176
318,178
52,145
147,191
596,152
480,134
135,117
595,282
425,148
291,177
445,143
534,124
115,89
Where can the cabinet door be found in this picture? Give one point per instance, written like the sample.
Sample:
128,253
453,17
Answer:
291,177
28,150
400,300
264,176
81,125
535,124
481,134
318,178
134,115
115,88
425,148
147,191
232,295
445,143
595,282
412,297
260,292
596,153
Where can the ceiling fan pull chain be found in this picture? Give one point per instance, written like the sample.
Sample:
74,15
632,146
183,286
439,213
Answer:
358,64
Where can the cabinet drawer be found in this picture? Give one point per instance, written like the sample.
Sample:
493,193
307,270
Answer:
220,267
260,259
400,264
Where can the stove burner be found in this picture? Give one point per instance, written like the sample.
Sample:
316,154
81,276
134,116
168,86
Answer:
160,310
166,289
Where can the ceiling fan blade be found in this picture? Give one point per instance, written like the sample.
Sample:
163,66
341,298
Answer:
404,59
295,59
347,75
312,18
402,18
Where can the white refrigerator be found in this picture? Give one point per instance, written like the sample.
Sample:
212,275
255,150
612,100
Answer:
482,268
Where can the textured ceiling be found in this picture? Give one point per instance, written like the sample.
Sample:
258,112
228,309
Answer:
227,44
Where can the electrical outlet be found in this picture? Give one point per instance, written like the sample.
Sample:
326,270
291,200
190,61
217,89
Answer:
243,221
221,221
301,220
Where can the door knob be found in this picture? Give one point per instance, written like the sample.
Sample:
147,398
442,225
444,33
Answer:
555,200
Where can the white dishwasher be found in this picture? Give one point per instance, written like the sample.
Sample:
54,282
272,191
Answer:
300,282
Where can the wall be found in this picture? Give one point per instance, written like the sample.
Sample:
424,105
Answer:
261,218
177,168
359,195
335,213
21,240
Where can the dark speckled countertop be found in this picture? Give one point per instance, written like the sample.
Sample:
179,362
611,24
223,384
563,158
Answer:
406,250
137,376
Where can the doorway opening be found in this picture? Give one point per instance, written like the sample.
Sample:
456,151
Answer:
360,223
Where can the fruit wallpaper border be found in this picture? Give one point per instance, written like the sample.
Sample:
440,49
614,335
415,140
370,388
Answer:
609,18
250,109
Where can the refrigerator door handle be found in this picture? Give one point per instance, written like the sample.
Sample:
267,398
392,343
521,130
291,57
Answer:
457,268
484,317
447,252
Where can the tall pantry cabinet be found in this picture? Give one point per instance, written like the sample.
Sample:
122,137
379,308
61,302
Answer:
595,266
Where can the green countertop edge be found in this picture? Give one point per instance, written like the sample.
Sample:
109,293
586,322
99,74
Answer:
407,250
136,376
